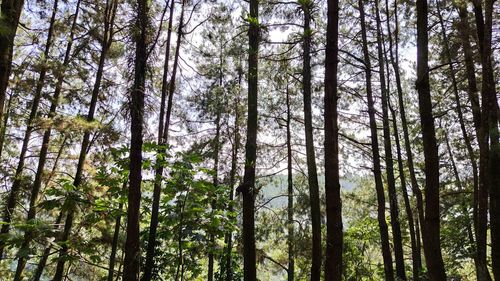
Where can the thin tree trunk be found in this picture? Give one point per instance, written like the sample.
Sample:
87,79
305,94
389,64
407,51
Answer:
45,256
389,160
291,231
114,245
472,91
482,273
415,250
334,233
132,244
215,180
162,140
232,178
11,12
470,68
460,186
394,55
180,258
431,224
248,186
16,185
109,16
377,172
3,129
37,184
489,126
310,154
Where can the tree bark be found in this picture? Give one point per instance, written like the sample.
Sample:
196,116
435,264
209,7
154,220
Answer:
472,92
482,273
162,141
310,153
114,245
394,55
415,250
16,185
290,222
377,171
248,186
215,180
431,223
489,126
132,243
11,12
334,233
389,160
109,16
232,179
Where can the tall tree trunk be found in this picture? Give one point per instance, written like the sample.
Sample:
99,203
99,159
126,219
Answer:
45,147
460,186
482,273
312,174
215,180
11,12
377,172
132,243
394,55
415,250
389,160
248,186
16,185
162,140
290,222
334,233
180,255
114,245
431,223
490,182
109,16
232,178
472,92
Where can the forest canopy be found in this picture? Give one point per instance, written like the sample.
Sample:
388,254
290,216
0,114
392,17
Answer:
249,140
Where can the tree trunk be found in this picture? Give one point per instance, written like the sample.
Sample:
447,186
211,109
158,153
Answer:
472,92
109,16
114,245
291,232
482,273
431,223
334,233
489,125
11,12
215,180
394,55
232,178
415,250
16,185
377,172
310,154
132,244
162,140
37,184
3,128
248,186
391,181
45,256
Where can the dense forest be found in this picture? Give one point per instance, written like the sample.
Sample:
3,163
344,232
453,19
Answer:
249,140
